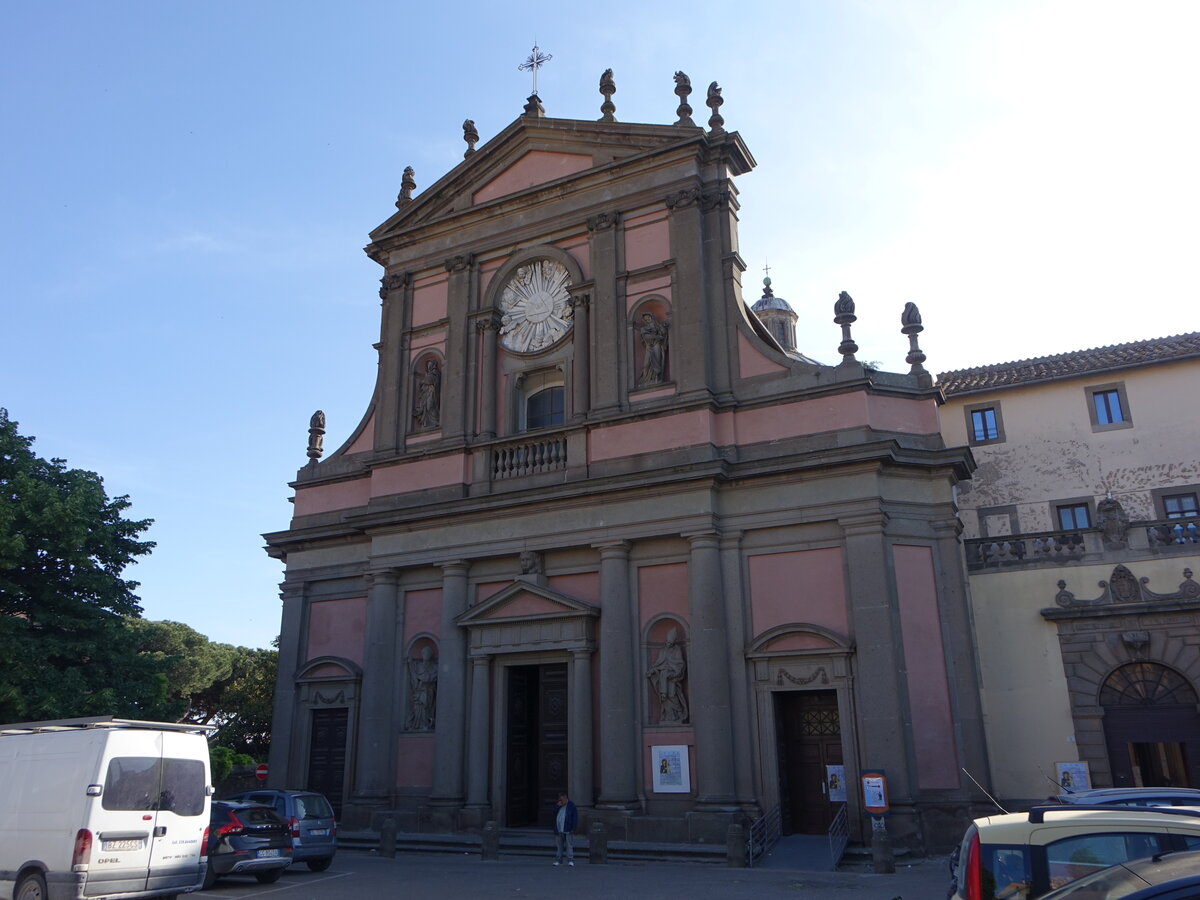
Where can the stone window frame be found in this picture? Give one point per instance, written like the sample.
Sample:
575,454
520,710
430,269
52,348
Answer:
983,512
1158,496
1089,502
534,381
993,405
1090,393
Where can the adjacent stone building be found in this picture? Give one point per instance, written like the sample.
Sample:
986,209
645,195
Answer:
598,531
1081,542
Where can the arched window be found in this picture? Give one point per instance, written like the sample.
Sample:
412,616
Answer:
1146,684
542,400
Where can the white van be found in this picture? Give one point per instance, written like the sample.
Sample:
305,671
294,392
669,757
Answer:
102,808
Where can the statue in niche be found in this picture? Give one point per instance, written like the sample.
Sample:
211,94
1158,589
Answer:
429,396
654,343
666,677
422,686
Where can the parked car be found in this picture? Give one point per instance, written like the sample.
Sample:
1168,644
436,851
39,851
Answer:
1020,856
310,817
1170,876
1143,796
246,838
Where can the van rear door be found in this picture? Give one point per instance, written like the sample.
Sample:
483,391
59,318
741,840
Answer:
181,814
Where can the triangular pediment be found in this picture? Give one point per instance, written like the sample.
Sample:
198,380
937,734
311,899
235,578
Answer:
524,601
528,154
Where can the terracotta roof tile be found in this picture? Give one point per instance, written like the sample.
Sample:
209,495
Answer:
1066,365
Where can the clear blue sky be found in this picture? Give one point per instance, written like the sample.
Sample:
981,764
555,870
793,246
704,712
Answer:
187,188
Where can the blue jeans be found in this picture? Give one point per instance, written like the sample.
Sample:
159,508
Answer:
562,841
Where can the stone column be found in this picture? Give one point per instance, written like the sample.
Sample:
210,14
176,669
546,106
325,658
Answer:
581,374
579,733
708,673
618,712
373,772
741,696
488,328
284,768
450,727
480,736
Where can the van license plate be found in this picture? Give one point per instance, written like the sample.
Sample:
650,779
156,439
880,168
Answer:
319,832
262,853
121,845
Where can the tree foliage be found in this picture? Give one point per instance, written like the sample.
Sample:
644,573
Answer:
64,545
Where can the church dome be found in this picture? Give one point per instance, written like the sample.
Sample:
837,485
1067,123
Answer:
769,301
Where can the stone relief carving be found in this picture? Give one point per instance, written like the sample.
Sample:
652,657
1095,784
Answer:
532,563
818,673
536,307
427,405
422,691
667,677
1124,587
1113,522
654,343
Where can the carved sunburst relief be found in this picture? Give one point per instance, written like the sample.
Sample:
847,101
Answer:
536,307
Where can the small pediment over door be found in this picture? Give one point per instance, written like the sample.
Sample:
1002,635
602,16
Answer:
526,617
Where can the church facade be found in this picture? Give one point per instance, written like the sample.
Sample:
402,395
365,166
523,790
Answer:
599,532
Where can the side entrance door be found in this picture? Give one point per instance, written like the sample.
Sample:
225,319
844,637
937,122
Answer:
327,755
809,737
536,743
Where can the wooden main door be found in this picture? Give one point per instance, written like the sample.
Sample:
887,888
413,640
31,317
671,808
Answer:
327,755
536,743
809,736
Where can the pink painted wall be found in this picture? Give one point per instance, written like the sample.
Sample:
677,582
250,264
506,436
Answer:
800,641
911,416
335,628
584,586
800,586
525,604
924,658
577,248
420,475
647,241
487,270
658,285
664,433
430,298
324,497
365,440
414,760
535,167
662,590
486,589
422,613
752,361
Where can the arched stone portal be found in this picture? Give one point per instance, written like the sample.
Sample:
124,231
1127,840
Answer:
1151,727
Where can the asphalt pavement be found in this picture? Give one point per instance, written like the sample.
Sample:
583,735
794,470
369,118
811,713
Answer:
364,876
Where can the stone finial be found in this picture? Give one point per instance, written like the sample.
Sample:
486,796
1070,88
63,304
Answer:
316,436
471,136
608,87
716,124
408,184
534,108
910,324
683,87
843,314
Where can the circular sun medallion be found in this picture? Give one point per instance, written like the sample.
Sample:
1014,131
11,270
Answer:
536,307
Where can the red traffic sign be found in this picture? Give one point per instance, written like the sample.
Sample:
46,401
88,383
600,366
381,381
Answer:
260,771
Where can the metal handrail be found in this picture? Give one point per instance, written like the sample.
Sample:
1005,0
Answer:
765,832
839,836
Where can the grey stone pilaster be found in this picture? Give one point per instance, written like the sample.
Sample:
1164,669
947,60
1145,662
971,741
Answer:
450,727
708,673
373,771
690,339
477,769
740,696
488,330
609,319
581,375
283,771
618,712
392,414
579,734
454,379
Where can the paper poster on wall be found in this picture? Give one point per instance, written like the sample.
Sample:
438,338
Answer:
669,765
835,779
1074,776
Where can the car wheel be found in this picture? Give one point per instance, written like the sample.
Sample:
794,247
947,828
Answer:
268,877
320,865
31,887
210,877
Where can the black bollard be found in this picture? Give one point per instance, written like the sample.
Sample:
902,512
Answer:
597,844
881,847
735,846
490,841
387,838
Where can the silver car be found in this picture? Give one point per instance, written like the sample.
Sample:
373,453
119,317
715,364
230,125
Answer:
314,830
1141,796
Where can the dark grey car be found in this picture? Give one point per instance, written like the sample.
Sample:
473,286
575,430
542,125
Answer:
246,839
310,817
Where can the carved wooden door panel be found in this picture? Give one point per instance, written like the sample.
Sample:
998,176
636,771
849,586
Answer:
552,741
520,799
327,755
809,739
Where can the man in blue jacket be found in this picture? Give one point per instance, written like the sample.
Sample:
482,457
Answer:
565,823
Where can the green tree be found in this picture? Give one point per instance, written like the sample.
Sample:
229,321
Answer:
64,605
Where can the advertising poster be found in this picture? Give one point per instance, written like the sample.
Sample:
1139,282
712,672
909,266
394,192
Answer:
669,766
